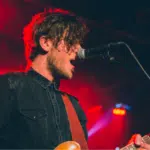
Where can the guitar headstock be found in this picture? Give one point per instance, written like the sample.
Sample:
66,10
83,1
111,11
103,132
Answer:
146,138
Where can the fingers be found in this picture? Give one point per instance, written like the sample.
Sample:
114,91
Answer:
136,138
145,146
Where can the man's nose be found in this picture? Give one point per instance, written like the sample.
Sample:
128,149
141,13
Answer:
77,48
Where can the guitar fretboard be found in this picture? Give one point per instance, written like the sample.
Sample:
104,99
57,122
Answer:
131,146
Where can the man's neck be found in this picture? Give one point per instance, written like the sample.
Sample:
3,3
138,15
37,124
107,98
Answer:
41,67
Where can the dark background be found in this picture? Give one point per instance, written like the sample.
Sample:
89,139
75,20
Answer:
109,21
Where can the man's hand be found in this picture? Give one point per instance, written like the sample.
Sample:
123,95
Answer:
137,139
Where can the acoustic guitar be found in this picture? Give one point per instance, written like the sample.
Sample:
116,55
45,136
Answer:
72,145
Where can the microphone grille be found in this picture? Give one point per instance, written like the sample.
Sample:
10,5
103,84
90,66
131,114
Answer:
81,53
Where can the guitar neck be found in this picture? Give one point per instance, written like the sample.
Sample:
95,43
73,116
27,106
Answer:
146,139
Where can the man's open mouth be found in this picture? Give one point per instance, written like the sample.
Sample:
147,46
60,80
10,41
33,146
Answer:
73,62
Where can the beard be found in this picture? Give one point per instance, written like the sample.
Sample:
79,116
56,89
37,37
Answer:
55,69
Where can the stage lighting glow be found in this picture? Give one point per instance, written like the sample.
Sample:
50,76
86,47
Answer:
121,105
103,122
119,111
117,148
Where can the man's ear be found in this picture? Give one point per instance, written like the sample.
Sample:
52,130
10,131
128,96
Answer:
61,46
46,44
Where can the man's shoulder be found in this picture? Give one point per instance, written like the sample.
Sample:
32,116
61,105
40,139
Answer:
11,77
9,74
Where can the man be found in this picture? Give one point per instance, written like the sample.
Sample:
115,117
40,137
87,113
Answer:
33,113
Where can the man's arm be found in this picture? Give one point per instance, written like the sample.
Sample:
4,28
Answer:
5,101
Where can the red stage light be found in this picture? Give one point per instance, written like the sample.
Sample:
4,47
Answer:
119,111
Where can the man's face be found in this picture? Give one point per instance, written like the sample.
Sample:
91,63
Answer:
59,62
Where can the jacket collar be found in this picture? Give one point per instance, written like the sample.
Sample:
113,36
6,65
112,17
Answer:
44,82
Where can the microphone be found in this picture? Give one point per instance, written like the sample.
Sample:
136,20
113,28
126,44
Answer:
102,51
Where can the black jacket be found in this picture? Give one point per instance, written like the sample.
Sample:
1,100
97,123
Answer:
32,113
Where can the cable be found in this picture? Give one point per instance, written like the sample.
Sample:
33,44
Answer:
132,54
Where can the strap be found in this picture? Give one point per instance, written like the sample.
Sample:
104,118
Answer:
75,126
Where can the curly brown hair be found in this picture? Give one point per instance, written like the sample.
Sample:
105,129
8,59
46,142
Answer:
52,24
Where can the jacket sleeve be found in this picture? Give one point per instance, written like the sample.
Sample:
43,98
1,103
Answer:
81,115
5,101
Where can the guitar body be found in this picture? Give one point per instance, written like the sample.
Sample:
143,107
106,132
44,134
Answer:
72,145
69,145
